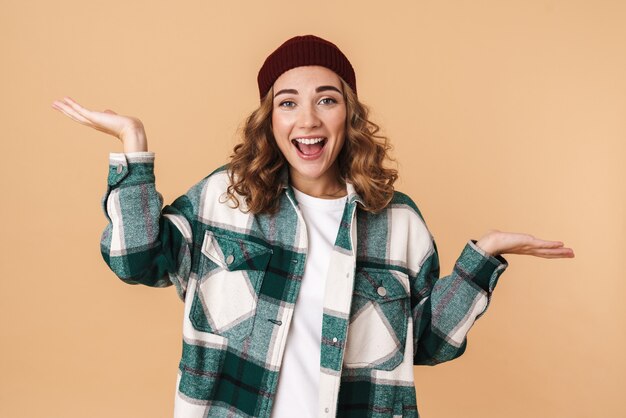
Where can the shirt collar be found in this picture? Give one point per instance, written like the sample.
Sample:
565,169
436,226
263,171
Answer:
283,177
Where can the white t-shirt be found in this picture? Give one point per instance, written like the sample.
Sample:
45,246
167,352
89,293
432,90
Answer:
298,383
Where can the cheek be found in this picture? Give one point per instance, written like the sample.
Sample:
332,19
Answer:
280,127
339,121
281,134
341,132
340,128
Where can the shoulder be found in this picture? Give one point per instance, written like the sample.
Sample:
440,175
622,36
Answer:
211,202
400,214
404,203
217,181
209,187
215,176
407,239
219,170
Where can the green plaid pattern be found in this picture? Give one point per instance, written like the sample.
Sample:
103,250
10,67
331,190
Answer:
385,308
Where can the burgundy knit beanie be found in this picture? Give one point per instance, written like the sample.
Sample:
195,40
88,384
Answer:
300,51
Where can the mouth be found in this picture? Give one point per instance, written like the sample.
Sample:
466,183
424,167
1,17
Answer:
309,148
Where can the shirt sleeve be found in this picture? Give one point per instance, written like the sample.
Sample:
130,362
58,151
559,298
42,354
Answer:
444,309
143,242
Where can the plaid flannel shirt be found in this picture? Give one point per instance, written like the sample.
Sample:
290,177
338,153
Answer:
385,307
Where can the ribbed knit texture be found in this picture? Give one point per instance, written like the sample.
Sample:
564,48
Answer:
300,51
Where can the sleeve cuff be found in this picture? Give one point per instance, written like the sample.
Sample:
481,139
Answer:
479,267
134,166
137,156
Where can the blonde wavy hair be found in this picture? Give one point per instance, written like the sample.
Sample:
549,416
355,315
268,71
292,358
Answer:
256,162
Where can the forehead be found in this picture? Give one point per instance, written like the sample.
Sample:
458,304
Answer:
310,75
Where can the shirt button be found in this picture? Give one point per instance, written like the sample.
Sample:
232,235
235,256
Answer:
230,259
120,168
334,339
381,291
326,410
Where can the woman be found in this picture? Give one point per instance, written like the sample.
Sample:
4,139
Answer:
304,215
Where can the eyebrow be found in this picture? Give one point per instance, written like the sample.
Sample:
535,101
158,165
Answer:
317,90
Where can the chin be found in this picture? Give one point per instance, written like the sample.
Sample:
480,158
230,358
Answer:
310,172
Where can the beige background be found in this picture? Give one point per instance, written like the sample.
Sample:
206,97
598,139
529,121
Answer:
504,114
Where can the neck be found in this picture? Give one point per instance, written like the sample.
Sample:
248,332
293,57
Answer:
329,186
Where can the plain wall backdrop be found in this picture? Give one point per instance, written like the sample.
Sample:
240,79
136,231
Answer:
503,114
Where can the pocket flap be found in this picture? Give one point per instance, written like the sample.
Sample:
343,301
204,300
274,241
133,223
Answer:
235,253
381,285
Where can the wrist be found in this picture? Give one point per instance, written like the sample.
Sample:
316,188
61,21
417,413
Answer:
487,244
135,142
135,147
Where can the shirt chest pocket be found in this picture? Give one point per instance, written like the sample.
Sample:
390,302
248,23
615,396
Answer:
230,277
378,319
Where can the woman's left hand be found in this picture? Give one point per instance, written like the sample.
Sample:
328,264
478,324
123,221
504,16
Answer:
497,242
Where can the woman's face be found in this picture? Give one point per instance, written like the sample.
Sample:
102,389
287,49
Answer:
308,122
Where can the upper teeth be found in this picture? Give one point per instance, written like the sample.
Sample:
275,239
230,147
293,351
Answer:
309,141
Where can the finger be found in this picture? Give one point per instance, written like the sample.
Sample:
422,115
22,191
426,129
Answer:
73,114
536,246
554,253
78,118
69,111
95,117
540,243
74,103
87,114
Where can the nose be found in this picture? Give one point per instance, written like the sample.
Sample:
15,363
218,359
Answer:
308,117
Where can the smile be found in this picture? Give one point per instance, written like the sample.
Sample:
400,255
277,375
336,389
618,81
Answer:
309,148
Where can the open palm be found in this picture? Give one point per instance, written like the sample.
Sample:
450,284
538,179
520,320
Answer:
125,128
500,242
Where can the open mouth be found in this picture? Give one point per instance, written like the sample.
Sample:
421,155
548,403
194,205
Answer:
309,147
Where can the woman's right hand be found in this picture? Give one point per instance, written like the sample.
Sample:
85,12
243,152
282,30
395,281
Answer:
127,129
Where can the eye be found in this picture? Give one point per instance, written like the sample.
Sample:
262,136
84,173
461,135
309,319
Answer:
330,100
287,103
